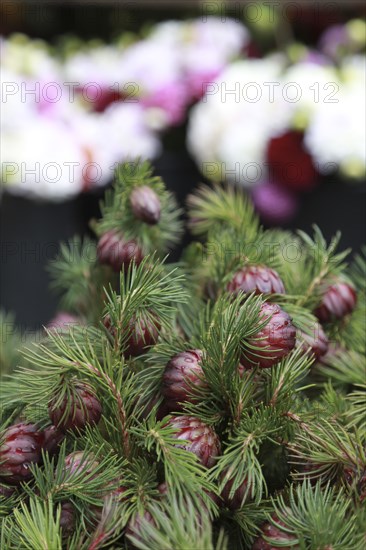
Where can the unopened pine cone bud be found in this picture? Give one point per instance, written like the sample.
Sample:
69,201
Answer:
67,519
259,279
275,340
134,525
182,375
317,343
338,300
21,447
235,499
203,440
352,476
77,409
112,497
115,251
277,536
53,437
145,205
77,462
144,333
6,491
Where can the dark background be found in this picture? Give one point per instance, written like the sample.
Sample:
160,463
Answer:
30,231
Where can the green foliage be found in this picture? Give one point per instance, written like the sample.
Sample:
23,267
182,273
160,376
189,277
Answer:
78,277
181,469
12,341
318,517
311,267
34,526
240,460
225,207
178,525
294,435
117,214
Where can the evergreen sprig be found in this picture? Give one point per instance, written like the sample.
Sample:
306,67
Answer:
177,525
117,214
181,469
34,526
329,447
240,462
227,207
292,436
318,517
313,267
78,278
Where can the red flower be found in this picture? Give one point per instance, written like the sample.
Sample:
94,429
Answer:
290,164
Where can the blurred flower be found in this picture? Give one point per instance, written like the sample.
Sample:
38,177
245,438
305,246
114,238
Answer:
98,64
275,204
340,40
336,134
205,47
233,123
334,40
29,58
290,164
154,75
42,158
306,85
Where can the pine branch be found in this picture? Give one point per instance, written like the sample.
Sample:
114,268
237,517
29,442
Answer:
145,290
350,332
317,518
97,475
182,471
345,368
357,271
180,525
314,265
240,460
36,385
329,447
78,277
221,206
250,517
36,526
117,214
282,383
225,330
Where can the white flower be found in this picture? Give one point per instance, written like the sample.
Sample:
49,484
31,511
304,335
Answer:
305,85
150,65
118,134
234,122
36,159
30,58
219,40
100,65
336,136
204,47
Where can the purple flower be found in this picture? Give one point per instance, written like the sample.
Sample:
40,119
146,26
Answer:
274,203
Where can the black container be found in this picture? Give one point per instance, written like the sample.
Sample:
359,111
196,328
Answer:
335,205
30,235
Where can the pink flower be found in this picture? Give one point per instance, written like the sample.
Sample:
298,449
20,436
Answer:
172,98
274,203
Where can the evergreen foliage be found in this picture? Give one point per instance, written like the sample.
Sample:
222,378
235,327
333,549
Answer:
293,435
